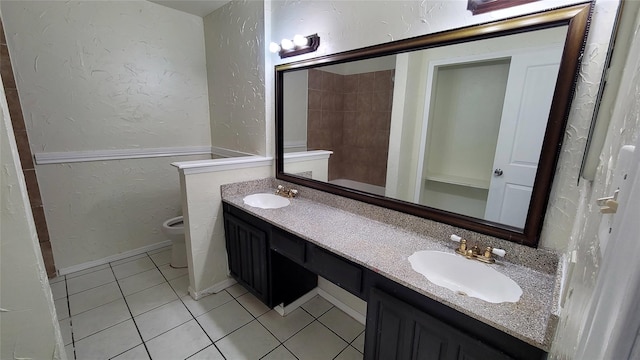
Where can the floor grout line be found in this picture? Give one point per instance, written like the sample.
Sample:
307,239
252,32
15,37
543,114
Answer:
132,319
73,342
190,313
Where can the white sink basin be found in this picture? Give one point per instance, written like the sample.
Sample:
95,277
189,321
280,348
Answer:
465,277
266,201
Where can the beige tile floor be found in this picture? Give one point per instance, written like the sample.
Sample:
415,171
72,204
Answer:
138,308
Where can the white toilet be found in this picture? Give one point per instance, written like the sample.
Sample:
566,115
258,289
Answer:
174,230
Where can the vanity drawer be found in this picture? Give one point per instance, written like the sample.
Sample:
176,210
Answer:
288,245
335,269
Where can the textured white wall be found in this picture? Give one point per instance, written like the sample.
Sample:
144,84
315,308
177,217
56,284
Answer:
98,75
624,129
103,208
346,25
234,36
204,225
102,75
28,322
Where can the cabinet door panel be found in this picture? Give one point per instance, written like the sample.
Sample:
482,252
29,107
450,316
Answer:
397,330
390,334
233,247
248,255
428,343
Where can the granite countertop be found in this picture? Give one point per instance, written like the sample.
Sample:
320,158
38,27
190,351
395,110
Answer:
385,249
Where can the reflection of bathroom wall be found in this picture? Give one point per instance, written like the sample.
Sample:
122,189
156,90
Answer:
351,115
462,130
408,112
295,110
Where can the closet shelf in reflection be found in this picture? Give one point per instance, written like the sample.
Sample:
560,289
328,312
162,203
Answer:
458,180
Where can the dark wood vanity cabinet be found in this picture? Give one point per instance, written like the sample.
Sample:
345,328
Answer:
397,330
279,267
272,278
248,253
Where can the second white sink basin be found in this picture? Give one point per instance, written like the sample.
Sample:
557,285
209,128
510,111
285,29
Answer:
465,277
266,201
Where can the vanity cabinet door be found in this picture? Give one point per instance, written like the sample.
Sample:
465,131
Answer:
248,253
397,330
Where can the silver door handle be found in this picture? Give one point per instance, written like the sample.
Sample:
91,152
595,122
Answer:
498,172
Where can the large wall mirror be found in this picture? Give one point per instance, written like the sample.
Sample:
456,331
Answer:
462,127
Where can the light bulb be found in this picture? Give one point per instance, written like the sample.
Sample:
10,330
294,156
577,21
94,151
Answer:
300,40
274,47
286,44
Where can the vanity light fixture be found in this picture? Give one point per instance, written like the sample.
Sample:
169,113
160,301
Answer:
298,46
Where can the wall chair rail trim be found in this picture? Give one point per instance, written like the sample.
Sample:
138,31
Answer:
295,157
44,158
214,165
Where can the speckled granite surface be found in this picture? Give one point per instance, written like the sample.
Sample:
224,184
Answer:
384,246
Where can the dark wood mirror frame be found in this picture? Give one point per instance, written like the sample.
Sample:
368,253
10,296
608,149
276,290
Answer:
576,17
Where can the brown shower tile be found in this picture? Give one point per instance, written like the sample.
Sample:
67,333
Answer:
349,101
349,136
3,39
315,99
365,82
338,83
382,101
363,138
5,68
313,141
15,110
47,256
328,101
327,81
382,81
350,83
33,190
377,176
314,119
338,137
339,101
364,120
381,120
364,101
41,223
349,119
359,173
315,79
24,151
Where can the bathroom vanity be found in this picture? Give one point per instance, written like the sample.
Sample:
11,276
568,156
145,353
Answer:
278,253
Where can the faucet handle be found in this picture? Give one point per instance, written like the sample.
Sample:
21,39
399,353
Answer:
499,252
462,249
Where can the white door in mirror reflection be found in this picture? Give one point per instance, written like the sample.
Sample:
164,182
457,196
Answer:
480,152
532,79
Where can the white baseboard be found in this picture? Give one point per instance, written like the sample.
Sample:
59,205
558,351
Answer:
108,259
284,310
342,306
216,288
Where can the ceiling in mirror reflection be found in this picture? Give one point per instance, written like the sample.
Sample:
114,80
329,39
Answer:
434,127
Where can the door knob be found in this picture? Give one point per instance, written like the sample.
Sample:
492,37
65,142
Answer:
498,172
